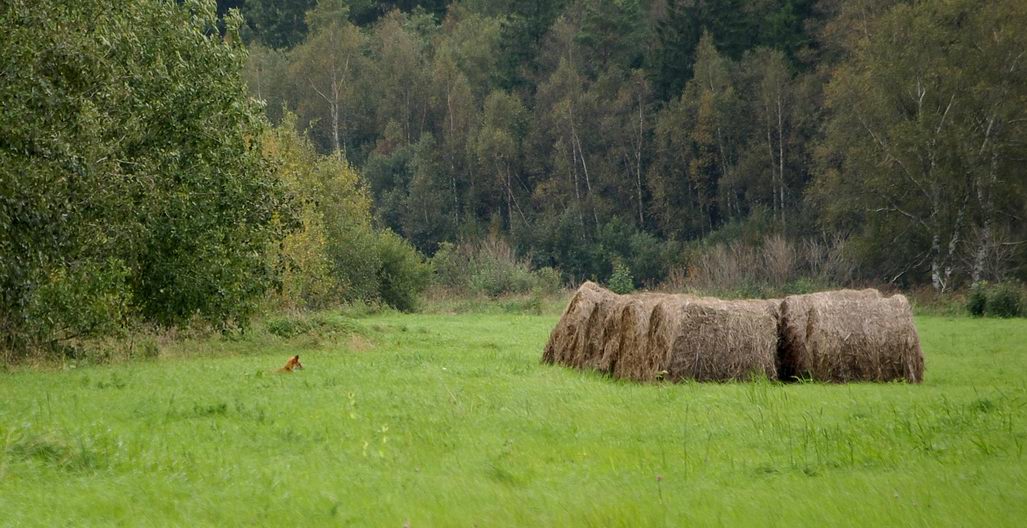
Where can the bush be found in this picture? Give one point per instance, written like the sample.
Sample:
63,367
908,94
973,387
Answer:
403,274
288,327
978,300
489,267
450,265
323,324
547,280
621,281
1004,300
649,258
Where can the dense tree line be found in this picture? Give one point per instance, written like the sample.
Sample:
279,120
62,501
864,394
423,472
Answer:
595,131
172,161
140,182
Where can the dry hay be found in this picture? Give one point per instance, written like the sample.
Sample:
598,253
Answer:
832,336
577,338
849,336
630,355
714,340
654,336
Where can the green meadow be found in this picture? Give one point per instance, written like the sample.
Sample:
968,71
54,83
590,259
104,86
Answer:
450,420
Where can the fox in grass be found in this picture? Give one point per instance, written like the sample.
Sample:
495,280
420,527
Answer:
291,365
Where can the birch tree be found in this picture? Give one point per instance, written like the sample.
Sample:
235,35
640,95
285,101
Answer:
323,70
917,133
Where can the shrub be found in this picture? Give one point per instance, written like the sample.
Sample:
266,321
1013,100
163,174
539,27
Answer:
803,285
547,280
402,274
489,267
325,325
978,300
621,281
450,265
496,277
288,327
1004,300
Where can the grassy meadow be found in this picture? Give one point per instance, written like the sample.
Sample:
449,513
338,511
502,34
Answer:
450,420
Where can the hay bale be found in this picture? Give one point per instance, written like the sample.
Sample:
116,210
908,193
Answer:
704,339
849,336
716,340
631,356
573,341
647,337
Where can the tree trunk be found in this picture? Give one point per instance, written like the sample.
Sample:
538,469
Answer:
638,159
781,156
984,199
584,165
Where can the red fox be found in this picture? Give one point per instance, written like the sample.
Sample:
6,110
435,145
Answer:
291,365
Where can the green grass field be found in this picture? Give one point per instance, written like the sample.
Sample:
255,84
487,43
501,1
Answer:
450,420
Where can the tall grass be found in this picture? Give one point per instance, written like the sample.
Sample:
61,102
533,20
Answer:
773,266
450,420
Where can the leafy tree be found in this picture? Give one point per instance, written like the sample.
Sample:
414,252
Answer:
429,216
612,31
402,274
677,35
498,148
266,75
130,180
925,119
401,74
324,71
621,280
684,119
774,107
277,24
711,100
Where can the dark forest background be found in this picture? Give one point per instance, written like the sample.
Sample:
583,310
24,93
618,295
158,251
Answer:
173,162
888,137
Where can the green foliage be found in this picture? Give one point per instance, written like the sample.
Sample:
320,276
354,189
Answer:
871,179
547,280
489,267
648,258
612,31
1005,299
130,179
335,255
621,280
319,324
277,23
977,301
427,214
403,274
679,118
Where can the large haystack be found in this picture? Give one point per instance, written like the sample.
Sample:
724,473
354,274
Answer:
831,336
849,336
654,336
